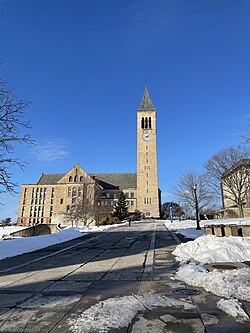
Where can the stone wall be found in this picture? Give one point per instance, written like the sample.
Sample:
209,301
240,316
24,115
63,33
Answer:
37,230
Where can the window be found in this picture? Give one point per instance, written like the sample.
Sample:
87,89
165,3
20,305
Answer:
79,191
142,123
126,195
131,203
149,122
74,192
73,200
76,179
61,201
52,192
108,195
81,179
146,122
70,179
132,195
115,195
69,191
25,192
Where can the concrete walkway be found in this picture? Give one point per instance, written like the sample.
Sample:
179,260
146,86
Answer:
49,295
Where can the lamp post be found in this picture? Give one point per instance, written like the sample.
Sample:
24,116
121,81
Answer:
196,207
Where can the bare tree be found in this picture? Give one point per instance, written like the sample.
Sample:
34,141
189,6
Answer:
13,131
85,208
220,163
184,191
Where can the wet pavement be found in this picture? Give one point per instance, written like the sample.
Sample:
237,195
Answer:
48,290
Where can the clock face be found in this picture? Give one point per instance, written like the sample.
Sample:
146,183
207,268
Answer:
146,136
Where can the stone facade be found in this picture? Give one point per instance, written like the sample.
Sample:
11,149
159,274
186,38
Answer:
236,191
49,200
147,173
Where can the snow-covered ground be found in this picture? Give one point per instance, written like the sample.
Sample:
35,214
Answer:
231,284
15,246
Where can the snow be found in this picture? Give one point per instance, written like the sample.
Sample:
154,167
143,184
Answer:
193,255
233,308
210,249
16,246
119,312
227,283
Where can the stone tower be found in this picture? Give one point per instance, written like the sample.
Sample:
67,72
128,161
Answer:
147,173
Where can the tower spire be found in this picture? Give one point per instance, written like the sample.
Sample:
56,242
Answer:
146,103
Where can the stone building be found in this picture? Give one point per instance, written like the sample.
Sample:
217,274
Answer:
53,195
235,188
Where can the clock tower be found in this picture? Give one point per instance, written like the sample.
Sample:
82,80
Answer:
147,172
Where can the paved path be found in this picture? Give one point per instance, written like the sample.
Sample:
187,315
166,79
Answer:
50,294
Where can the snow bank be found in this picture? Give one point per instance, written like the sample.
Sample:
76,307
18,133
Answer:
210,249
119,312
227,283
233,308
14,247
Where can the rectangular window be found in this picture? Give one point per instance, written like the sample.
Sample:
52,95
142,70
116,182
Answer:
132,195
131,203
115,195
69,191
52,192
108,195
61,201
126,195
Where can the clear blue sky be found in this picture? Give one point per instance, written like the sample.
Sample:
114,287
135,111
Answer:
84,65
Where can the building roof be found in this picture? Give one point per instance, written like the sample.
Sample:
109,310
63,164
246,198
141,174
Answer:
49,179
245,162
105,180
146,103
116,180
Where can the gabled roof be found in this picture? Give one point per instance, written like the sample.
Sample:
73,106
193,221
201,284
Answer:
146,103
116,180
105,180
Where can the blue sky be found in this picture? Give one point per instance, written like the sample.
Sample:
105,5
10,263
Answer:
84,65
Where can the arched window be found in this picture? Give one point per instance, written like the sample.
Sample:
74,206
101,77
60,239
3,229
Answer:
142,122
70,179
81,179
76,179
149,122
146,122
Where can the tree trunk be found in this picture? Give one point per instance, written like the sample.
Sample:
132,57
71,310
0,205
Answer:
241,211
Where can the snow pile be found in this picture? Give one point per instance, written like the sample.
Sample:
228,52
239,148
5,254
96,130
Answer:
210,249
14,247
227,283
119,312
233,308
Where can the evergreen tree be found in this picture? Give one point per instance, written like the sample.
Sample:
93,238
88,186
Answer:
121,208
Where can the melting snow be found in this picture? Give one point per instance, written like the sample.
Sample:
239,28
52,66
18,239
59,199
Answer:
119,312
